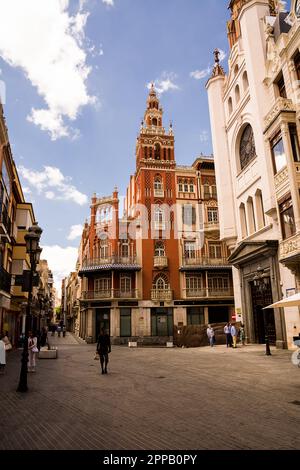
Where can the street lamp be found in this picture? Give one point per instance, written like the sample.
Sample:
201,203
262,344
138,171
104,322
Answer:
33,249
261,282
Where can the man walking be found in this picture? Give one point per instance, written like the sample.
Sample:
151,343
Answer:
103,349
228,335
234,335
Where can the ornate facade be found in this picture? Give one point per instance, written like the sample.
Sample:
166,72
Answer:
160,264
254,114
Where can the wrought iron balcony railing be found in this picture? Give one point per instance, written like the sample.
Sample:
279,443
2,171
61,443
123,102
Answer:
194,259
109,260
160,262
5,280
208,293
108,294
161,295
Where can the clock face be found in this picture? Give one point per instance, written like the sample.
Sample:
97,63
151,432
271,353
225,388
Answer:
297,8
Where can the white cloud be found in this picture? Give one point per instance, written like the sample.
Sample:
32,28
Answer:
75,232
165,83
204,136
61,261
200,74
49,48
108,2
53,184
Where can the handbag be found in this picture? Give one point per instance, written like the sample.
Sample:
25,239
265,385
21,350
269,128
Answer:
8,347
35,349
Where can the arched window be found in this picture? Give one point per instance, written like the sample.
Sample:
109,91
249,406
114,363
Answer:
245,81
103,249
157,152
160,250
159,218
125,283
259,206
236,69
230,106
247,147
251,216
124,249
158,187
154,122
237,94
161,282
243,221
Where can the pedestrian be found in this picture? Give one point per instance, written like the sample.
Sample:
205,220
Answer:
103,349
58,331
242,335
64,329
44,337
234,335
211,335
2,355
32,351
228,335
53,329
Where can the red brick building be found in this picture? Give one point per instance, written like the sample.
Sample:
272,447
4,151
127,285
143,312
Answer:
161,264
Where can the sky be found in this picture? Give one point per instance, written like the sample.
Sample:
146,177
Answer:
73,79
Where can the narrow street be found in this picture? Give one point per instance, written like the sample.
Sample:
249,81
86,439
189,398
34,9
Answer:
159,399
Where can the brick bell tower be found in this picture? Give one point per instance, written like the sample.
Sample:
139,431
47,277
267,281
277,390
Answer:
155,189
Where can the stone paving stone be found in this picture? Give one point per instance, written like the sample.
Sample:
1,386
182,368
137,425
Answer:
153,399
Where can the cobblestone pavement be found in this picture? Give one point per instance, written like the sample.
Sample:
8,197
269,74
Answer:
153,399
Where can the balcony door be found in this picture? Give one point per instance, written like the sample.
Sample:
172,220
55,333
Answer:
102,320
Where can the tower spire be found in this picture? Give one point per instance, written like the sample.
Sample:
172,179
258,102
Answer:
154,112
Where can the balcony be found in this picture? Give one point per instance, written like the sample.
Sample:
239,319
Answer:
5,223
281,105
290,251
5,280
110,294
159,192
112,262
160,262
161,295
281,180
212,226
208,293
202,261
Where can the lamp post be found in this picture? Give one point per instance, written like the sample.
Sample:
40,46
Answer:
33,249
261,283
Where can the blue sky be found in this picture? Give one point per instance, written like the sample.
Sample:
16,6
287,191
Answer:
118,46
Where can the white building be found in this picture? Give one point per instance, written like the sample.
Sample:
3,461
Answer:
254,113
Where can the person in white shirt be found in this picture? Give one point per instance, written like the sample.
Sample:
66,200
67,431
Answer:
32,351
211,335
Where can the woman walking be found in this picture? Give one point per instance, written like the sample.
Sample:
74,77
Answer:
32,351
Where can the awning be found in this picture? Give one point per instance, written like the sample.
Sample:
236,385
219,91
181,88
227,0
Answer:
293,301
